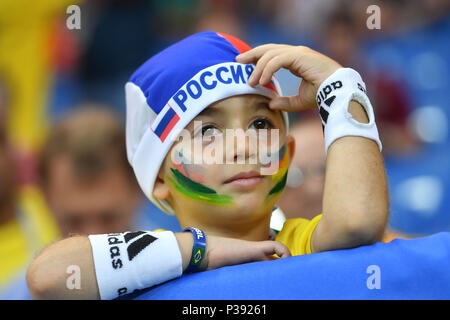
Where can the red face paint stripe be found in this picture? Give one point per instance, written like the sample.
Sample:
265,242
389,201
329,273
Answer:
240,45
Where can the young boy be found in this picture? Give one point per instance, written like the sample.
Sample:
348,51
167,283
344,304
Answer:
180,104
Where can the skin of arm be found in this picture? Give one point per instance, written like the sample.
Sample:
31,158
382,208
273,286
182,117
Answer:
46,276
355,201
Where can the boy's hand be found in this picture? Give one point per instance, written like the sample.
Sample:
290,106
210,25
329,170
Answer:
312,66
226,251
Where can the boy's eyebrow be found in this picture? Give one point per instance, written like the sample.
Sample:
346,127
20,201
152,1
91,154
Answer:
211,112
261,105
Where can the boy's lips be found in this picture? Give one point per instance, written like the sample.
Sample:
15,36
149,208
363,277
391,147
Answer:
245,180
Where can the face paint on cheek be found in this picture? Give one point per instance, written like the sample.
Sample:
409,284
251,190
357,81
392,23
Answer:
198,191
185,167
280,176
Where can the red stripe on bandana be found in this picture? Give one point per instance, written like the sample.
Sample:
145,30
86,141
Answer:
271,86
240,45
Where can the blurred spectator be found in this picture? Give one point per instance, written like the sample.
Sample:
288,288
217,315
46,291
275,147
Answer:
25,224
222,16
341,40
303,16
304,188
86,178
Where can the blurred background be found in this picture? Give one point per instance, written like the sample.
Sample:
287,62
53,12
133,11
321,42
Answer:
63,165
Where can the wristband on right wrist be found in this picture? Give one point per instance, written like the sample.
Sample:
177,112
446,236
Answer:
333,99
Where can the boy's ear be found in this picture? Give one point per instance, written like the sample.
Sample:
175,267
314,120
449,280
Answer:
161,189
291,147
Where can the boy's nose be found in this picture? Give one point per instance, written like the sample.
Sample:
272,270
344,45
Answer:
240,146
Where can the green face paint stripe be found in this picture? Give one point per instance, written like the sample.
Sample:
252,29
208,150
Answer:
215,199
196,190
279,186
191,185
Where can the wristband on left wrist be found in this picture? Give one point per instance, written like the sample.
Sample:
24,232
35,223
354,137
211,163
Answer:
333,99
198,249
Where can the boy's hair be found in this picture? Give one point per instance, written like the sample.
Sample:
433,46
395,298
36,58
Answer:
172,88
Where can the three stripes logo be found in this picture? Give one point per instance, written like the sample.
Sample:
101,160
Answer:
139,241
323,96
324,113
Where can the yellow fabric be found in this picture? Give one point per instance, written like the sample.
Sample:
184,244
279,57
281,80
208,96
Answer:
33,204
13,251
23,237
25,66
296,234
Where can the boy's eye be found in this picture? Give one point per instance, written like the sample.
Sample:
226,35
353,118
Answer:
261,124
210,130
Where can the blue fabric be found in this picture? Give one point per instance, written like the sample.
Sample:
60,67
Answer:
150,217
408,269
162,75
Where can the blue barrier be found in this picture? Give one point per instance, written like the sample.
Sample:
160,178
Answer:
405,269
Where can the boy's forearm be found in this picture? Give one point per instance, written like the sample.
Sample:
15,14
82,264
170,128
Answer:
355,201
47,275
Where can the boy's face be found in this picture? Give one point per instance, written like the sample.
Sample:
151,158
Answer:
229,165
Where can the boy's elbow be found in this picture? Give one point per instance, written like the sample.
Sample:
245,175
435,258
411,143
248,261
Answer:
362,235
365,230
40,284
43,275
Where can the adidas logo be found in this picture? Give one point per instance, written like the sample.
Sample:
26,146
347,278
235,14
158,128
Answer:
138,242
326,91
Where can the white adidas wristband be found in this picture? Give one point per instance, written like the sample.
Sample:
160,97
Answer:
125,262
333,98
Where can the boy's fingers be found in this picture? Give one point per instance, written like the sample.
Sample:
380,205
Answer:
254,54
260,65
286,103
281,250
306,99
276,247
275,64
292,103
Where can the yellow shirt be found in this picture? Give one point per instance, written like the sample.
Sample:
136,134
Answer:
296,234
